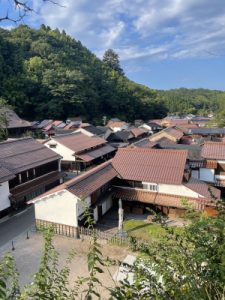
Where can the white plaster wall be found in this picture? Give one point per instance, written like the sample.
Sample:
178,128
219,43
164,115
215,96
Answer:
96,213
4,195
65,152
179,190
172,189
82,205
222,162
58,208
207,174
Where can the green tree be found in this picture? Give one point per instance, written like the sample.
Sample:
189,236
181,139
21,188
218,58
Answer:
111,59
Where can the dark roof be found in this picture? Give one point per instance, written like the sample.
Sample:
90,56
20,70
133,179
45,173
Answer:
194,151
23,154
207,131
78,141
121,136
13,120
94,130
44,123
150,165
144,143
103,129
5,174
96,153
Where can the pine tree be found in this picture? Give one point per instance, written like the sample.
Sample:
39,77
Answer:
111,58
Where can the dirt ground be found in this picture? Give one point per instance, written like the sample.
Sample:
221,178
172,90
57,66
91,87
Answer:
27,255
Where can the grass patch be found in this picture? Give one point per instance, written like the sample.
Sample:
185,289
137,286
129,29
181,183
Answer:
144,230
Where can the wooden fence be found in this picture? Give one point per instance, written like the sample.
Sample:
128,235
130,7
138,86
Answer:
81,232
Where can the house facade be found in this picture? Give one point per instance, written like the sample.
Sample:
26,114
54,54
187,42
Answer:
33,169
80,151
213,168
141,178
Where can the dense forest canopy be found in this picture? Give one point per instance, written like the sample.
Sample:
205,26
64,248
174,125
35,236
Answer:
47,74
196,101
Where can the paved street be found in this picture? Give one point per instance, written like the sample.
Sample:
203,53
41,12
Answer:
16,225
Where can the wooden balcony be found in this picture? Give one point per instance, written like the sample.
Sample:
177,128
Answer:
23,189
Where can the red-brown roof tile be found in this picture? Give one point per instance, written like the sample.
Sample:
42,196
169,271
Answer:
200,187
151,165
159,199
214,150
85,184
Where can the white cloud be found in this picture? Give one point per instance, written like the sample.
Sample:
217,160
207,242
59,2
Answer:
137,29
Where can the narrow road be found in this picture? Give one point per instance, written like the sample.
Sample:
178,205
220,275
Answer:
16,225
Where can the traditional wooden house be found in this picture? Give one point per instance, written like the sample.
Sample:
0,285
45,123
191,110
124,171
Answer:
117,125
13,124
79,151
65,205
213,168
31,167
168,135
141,178
158,178
5,176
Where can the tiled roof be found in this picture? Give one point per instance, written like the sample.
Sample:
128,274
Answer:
214,150
158,198
94,130
85,184
200,187
194,151
5,174
206,131
113,124
144,143
123,136
22,154
150,165
96,153
13,120
78,141
91,181
137,132
174,132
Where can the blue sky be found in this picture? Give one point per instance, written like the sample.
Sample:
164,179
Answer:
161,43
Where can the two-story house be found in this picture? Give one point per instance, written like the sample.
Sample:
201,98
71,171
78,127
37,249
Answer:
80,151
141,178
213,168
32,169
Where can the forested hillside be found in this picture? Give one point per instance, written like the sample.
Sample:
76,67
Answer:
200,101
47,74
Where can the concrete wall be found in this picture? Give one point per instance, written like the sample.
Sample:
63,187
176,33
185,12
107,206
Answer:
58,208
4,196
65,152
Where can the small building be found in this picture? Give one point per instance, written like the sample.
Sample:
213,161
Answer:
80,151
169,134
213,170
14,125
33,169
117,125
66,204
5,176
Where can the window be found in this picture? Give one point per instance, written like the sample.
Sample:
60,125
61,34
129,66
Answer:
150,187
